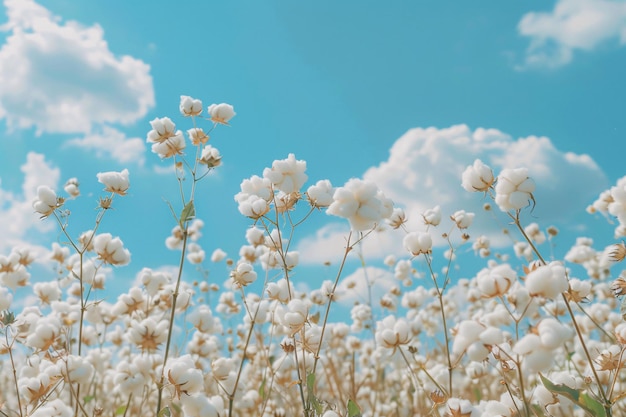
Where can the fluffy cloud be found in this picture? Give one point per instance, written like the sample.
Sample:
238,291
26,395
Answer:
61,77
424,170
113,143
572,25
17,209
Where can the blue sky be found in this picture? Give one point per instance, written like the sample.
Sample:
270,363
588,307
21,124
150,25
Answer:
336,83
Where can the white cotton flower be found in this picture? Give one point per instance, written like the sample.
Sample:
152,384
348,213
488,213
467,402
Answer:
200,405
184,377
53,408
111,250
253,206
392,332
115,182
362,203
287,175
432,217
496,281
46,201
221,113
148,333
463,219
78,369
321,194
162,129
477,177
547,280
278,290
514,189
71,187
173,145
46,291
197,136
195,253
210,157
190,106
255,185
6,298
243,275
296,315
417,243
218,255
397,218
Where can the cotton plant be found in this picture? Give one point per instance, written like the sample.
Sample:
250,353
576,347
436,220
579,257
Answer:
527,334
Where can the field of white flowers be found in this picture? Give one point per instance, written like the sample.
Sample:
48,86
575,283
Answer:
521,338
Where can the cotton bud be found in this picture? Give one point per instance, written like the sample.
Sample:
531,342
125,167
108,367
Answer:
210,157
362,203
243,275
392,332
46,201
183,376
111,250
71,187
173,145
547,281
514,189
197,136
190,106
496,281
162,129
296,315
432,217
287,175
462,219
397,219
477,177
417,243
321,194
115,182
221,113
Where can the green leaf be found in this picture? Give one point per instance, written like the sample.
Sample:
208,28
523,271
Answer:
88,398
165,412
310,385
262,390
353,409
120,410
583,400
188,213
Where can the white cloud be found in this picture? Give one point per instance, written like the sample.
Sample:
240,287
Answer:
424,170
112,143
572,25
354,287
16,208
61,77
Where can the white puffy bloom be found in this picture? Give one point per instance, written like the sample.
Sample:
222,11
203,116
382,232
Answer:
190,106
44,333
71,187
173,145
534,232
46,201
495,281
210,157
195,253
202,319
221,113
362,203
296,315
278,290
514,189
218,255
111,250
46,291
183,376
463,219
53,408
129,378
320,194
460,407
6,298
432,217
482,245
287,175
162,129
148,333
547,280
115,182
197,136
78,369
417,243
392,332
243,275
397,218
200,405
255,185
253,206
477,177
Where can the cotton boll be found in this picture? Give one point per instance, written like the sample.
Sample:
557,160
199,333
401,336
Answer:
190,106
221,113
321,194
417,243
115,182
547,281
287,175
514,189
477,177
